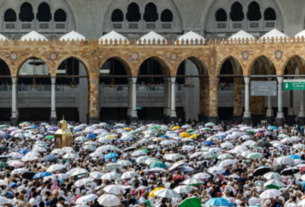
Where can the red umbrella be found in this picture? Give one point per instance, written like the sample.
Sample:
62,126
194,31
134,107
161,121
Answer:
181,130
259,134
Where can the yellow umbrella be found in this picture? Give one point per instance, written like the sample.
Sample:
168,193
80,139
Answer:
152,193
127,128
194,136
184,135
176,127
111,137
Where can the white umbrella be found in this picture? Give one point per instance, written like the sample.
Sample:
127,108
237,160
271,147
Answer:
138,153
202,176
276,183
208,155
67,149
224,156
29,157
15,155
124,162
104,140
86,199
192,181
286,160
54,177
112,166
172,156
19,171
273,175
4,200
55,167
167,193
96,175
57,151
70,156
270,193
110,176
96,154
249,143
108,200
114,189
188,147
227,162
183,189
40,149
156,169
105,148
77,171
227,145
216,170
142,159
129,174
83,181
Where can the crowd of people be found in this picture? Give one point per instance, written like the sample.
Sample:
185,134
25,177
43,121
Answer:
152,166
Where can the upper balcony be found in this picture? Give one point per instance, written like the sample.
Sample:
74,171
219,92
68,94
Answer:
19,26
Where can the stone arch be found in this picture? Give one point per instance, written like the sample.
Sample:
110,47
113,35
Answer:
270,14
60,15
266,61
254,11
164,65
150,12
121,60
236,12
167,16
87,67
133,8
298,62
221,15
235,63
200,64
26,12
45,60
44,13
117,15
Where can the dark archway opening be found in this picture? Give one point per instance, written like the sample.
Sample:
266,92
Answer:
72,79
237,13
269,14
167,16
26,12
10,16
151,13
44,13
117,16
221,15
5,88
133,13
254,13
60,16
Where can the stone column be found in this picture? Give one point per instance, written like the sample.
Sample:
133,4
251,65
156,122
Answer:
269,112
291,116
301,116
14,117
132,116
165,113
53,118
237,110
169,99
213,99
172,114
280,115
247,114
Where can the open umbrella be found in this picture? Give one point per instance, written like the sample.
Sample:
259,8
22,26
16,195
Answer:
167,193
193,202
290,171
56,167
28,175
41,175
261,171
270,193
96,175
108,200
114,189
273,175
183,189
219,202
275,184
86,199
83,182
50,158
192,181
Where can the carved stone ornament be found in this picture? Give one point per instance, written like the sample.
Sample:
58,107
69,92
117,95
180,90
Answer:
53,56
13,56
173,56
134,56
245,55
278,54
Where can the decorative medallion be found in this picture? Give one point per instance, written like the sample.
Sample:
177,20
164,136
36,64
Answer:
278,54
13,56
94,81
245,55
53,56
173,56
134,56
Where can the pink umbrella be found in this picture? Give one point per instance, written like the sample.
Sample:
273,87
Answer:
16,163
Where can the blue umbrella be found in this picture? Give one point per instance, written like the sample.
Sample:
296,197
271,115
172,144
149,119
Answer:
92,136
111,155
24,151
295,157
34,126
77,130
41,175
52,129
272,127
6,136
164,136
219,202
207,143
50,158
12,184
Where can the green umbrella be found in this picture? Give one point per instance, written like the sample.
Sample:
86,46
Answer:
250,132
190,202
3,165
209,124
190,130
145,150
50,137
206,130
156,127
254,156
158,164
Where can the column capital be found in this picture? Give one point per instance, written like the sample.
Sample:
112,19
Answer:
280,79
53,80
133,79
173,79
247,79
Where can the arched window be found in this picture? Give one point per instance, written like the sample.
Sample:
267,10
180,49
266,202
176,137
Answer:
44,13
237,13
60,16
167,16
151,13
10,16
26,12
221,15
254,12
117,16
269,14
133,13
